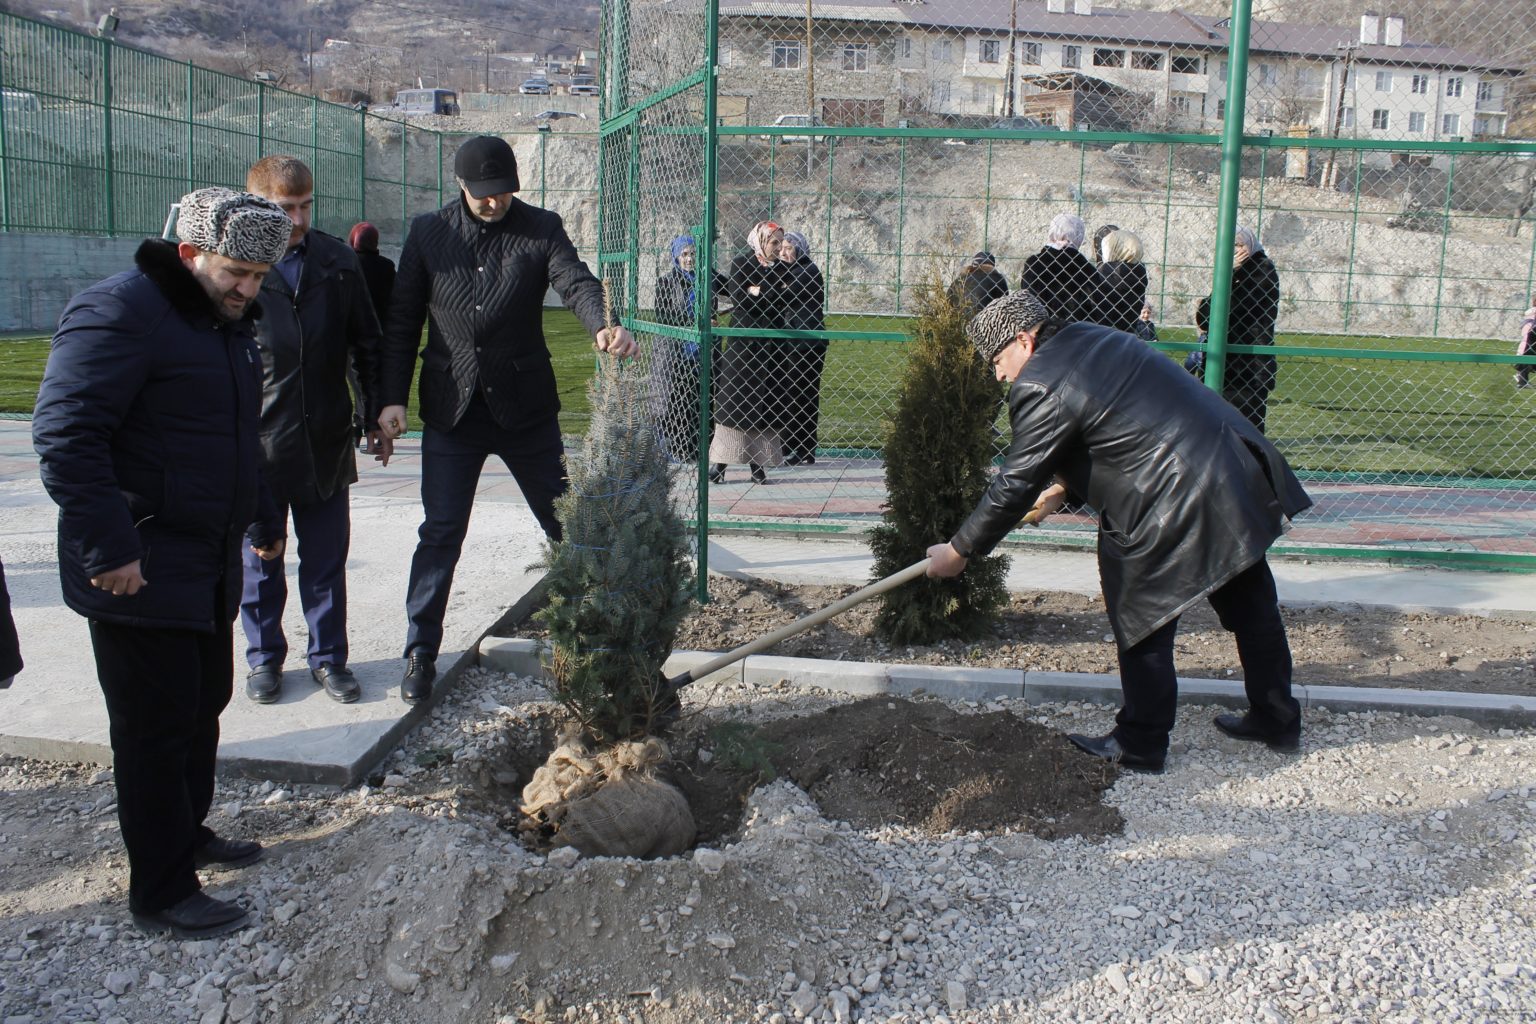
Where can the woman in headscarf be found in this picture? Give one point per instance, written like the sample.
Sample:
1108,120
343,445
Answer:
1120,283
804,299
1059,275
675,361
748,403
1255,306
978,284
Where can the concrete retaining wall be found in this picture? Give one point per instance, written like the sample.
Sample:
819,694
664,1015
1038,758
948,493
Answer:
38,274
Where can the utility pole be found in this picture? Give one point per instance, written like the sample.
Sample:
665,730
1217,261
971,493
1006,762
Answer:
810,66
311,62
1013,29
1330,172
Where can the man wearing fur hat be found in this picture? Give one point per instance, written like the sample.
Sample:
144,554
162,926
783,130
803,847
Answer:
1189,494
146,425
476,272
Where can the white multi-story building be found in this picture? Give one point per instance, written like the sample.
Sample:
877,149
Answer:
1078,64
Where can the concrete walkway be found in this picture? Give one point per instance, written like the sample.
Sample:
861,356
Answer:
54,709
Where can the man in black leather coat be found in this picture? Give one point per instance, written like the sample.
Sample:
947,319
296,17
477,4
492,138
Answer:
476,272
1190,496
317,322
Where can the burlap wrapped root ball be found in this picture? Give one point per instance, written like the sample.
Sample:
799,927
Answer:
609,803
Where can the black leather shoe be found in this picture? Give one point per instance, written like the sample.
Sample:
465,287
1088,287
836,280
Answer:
339,682
1108,748
265,683
227,853
1242,727
759,474
199,916
717,473
420,670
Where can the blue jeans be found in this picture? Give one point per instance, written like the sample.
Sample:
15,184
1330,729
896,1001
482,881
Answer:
322,536
451,461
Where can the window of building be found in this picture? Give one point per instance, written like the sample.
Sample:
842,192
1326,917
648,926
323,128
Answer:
1416,123
906,47
1221,71
786,53
1265,110
942,50
1146,60
1031,53
938,94
1380,120
1453,85
1450,124
1268,74
1383,81
1184,65
991,51
982,92
726,54
1349,117
1221,110
1420,85
1178,104
1482,126
1071,56
1484,92
1103,57
855,56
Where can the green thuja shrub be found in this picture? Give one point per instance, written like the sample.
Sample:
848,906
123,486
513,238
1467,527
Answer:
937,453
620,582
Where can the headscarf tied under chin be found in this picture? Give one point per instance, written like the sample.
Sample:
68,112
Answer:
1067,231
800,242
757,240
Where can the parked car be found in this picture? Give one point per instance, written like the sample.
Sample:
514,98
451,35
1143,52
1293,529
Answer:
583,85
534,87
799,121
556,115
427,101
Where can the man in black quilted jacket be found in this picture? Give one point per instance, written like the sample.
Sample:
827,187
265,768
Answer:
476,272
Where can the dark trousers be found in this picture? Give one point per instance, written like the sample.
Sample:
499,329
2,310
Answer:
322,536
165,689
1249,609
801,385
451,461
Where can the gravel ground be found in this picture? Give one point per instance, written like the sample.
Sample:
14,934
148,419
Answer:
1386,874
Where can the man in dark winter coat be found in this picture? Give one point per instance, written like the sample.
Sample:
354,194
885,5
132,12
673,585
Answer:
317,321
147,427
476,271
1190,497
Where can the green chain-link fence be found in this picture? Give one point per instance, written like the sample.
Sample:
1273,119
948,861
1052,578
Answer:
1379,161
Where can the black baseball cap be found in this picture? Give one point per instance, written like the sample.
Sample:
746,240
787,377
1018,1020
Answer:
486,166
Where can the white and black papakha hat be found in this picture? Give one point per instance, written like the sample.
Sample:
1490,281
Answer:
238,225
991,330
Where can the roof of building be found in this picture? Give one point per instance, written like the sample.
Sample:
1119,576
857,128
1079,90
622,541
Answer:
1175,28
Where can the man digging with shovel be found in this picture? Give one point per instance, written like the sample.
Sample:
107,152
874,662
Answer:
1190,496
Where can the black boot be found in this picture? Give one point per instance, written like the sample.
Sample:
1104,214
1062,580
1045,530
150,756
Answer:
717,473
759,474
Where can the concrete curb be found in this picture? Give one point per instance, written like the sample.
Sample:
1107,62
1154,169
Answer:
520,656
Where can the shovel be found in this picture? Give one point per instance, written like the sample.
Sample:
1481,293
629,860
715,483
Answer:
766,641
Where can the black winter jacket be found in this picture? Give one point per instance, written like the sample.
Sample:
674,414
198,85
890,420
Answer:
379,273
1189,494
1063,279
672,303
1255,306
480,288
146,425
1119,292
977,287
803,296
306,344
749,375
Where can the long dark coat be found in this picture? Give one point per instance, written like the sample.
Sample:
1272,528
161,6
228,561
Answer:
1119,292
1063,279
804,358
147,429
1189,494
675,364
748,392
1254,309
308,342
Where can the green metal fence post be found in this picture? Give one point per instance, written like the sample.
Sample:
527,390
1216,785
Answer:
1354,236
632,244
441,200
405,221
106,111
544,170
1445,231
826,267
1227,198
986,201
261,121
191,129
901,218
1162,280
5,167
705,243
362,167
